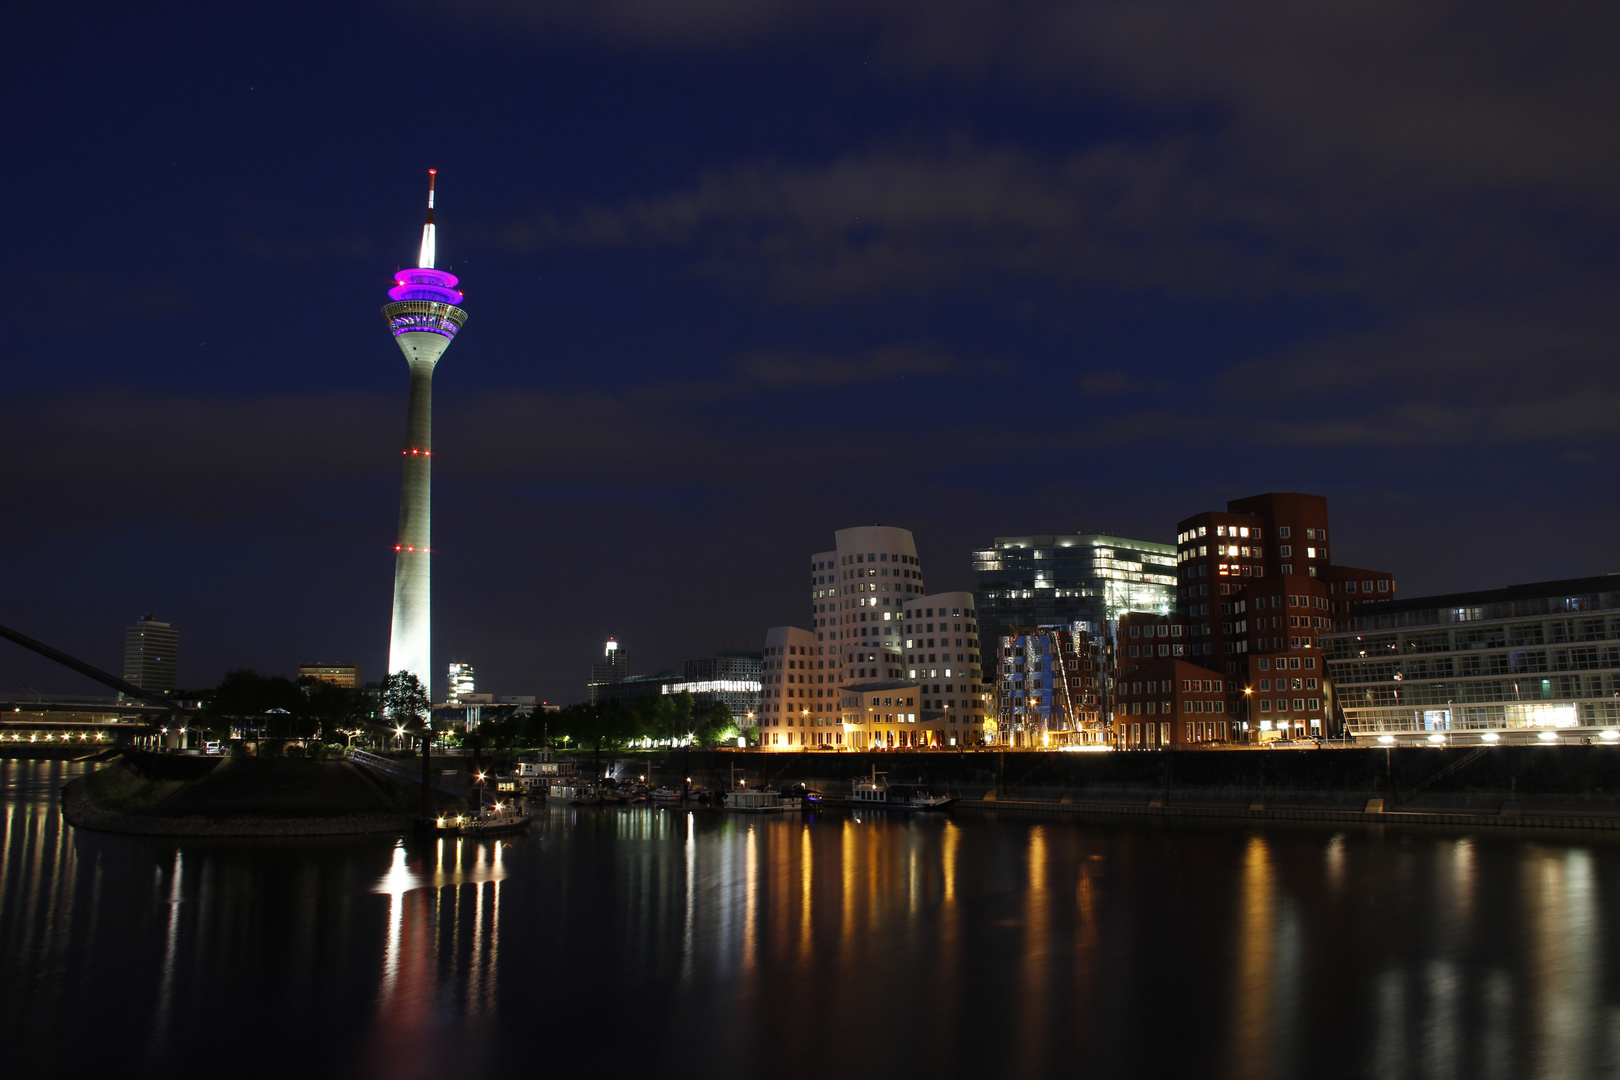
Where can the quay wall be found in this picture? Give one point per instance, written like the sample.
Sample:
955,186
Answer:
1571,779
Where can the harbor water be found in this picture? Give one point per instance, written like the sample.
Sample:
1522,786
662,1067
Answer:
694,942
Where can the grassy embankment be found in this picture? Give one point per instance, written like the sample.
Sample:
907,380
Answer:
261,787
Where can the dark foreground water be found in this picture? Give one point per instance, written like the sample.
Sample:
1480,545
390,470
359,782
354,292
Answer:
698,944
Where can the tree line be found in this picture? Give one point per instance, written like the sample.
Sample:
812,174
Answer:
275,708
613,725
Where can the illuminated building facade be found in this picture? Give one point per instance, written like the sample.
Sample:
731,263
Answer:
731,679
1164,702
883,714
798,692
1052,687
942,655
858,595
1256,589
1535,663
345,675
866,594
461,682
424,316
1022,582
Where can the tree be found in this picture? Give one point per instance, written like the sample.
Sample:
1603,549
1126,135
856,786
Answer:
405,703
717,725
270,705
333,707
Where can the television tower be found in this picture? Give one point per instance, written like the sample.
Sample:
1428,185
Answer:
423,317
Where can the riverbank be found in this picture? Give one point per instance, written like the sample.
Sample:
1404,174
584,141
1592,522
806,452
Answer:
242,797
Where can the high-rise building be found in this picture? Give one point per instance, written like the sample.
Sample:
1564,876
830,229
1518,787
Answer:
857,595
151,651
1024,582
819,684
1255,590
424,316
344,675
943,657
461,682
614,668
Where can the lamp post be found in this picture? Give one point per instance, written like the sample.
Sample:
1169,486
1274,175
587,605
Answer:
1248,720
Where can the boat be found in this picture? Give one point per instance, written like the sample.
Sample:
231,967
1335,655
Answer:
666,795
759,800
488,821
573,792
536,777
876,792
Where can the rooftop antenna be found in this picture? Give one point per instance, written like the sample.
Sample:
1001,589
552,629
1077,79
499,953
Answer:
428,241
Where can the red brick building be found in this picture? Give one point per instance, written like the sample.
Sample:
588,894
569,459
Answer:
1163,702
1256,585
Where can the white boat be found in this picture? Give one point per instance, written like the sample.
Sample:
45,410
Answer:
758,800
876,792
572,792
761,801
666,795
536,777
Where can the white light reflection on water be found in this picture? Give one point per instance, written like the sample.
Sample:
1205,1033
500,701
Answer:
171,946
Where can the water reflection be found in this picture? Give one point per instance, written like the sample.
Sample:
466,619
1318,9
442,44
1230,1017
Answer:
960,945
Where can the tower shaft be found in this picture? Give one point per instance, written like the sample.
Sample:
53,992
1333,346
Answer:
411,638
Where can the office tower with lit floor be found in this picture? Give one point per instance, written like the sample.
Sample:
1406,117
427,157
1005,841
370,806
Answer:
424,317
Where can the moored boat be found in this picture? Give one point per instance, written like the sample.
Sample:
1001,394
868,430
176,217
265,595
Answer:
573,792
876,792
488,821
761,801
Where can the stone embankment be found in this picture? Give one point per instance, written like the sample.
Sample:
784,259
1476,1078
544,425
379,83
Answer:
1516,787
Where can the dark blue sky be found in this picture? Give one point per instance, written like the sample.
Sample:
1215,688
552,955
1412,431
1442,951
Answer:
741,273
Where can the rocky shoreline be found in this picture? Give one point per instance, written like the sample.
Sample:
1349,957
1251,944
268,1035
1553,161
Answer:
80,811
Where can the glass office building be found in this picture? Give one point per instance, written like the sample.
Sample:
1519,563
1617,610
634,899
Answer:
1024,582
1529,663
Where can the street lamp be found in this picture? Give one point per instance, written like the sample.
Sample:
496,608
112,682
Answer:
1248,721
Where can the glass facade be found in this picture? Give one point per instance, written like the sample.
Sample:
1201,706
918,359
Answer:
1528,663
1028,581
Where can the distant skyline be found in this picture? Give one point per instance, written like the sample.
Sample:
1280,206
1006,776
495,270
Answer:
746,274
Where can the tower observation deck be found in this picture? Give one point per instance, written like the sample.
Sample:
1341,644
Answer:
424,316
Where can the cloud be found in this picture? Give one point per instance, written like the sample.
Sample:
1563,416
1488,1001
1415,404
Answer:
1379,152
790,370
1509,376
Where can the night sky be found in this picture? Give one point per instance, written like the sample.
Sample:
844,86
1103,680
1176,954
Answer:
742,273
